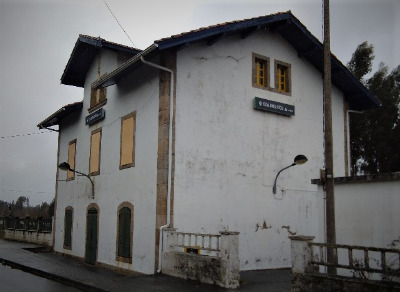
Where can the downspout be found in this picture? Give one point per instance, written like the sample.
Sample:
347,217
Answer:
348,137
171,111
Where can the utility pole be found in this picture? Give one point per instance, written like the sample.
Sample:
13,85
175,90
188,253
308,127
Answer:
329,179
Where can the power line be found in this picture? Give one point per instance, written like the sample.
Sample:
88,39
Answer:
118,23
35,192
23,135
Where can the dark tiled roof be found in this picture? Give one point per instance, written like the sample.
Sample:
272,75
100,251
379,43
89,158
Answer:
55,118
82,56
225,27
287,26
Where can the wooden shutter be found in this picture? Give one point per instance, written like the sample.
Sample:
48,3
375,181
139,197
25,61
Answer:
71,159
95,145
68,228
91,236
97,96
127,141
124,233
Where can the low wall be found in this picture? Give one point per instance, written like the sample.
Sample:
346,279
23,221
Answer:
202,268
367,209
313,272
317,283
212,259
41,237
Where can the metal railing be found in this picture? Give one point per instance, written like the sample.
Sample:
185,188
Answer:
28,224
361,261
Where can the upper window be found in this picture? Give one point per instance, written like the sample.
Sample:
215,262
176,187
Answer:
68,228
282,77
98,97
260,71
95,146
71,159
128,141
125,232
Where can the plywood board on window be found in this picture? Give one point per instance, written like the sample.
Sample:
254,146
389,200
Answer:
95,143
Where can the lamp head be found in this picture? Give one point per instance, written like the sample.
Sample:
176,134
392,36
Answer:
300,159
64,166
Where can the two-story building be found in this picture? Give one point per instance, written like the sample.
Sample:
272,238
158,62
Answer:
190,133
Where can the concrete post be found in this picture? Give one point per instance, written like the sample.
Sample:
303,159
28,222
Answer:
39,221
27,221
229,253
301,253
169,239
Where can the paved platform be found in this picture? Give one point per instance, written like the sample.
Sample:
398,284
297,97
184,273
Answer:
91,278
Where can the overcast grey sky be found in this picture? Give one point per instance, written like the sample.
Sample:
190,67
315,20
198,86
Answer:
37,38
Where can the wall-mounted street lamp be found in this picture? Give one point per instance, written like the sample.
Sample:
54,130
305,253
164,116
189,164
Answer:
299,159
66,167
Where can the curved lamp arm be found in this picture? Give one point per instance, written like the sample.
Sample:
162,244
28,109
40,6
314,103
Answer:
274,187
65,166
299,159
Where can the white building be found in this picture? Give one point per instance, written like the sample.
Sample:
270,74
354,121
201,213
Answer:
247,97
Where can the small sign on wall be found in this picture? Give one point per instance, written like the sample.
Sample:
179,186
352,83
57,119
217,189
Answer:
95,117
273,106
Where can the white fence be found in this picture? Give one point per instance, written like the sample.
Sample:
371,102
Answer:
352,268
209,258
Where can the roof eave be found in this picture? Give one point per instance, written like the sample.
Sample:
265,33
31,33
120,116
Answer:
288,26
124,70
56,117
86,48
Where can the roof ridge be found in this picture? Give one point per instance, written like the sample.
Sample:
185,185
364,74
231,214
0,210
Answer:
289,12
107,42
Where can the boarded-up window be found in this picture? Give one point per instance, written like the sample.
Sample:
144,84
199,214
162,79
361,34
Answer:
68,228
95,143
128,141
125,233
71,159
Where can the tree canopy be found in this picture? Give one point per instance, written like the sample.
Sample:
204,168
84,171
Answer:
375,134
22,209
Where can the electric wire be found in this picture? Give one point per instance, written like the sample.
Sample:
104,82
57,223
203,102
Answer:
23,135
35,192
118,23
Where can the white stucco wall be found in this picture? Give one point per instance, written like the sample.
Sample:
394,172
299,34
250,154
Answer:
113,186
227,154
367,213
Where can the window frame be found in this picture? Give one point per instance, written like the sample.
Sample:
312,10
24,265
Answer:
132,162
71,160
96,171
118,256
101,95
66,229
288,77
98,97
256,59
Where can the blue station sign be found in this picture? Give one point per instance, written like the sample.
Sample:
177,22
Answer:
95,116
273,106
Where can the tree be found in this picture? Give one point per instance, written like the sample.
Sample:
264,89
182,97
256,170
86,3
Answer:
375,134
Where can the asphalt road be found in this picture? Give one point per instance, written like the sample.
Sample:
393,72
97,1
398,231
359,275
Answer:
13,280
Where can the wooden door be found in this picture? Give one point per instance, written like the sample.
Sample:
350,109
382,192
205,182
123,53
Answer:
91,236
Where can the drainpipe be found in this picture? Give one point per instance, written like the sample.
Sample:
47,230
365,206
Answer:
348,137
171,104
